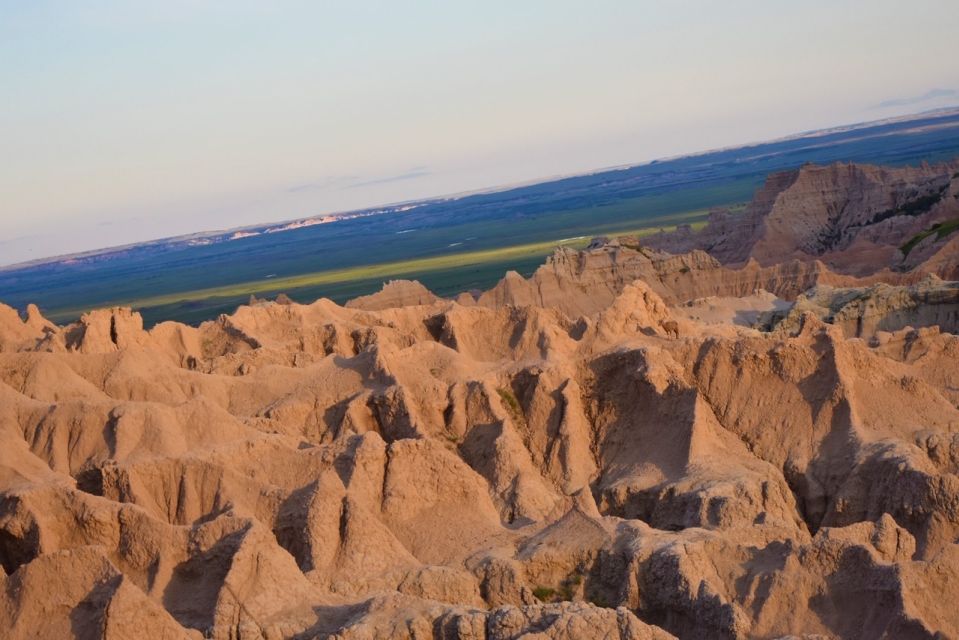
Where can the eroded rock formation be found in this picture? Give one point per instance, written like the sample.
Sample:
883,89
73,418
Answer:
625,445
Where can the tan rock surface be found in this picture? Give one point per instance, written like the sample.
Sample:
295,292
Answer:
854,218
395,293
584,453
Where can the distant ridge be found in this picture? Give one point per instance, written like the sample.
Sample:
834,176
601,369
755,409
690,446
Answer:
219,235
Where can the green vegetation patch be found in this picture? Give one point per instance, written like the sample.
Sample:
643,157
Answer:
512,404
566,590
941,229
544,594
318,283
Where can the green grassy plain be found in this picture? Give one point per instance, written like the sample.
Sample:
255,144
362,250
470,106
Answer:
446,274
449,244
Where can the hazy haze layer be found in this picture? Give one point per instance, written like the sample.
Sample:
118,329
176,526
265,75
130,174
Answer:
122,123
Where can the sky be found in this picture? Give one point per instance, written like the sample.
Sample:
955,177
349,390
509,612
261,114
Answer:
123,121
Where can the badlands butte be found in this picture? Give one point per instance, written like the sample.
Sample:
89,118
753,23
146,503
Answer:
745,431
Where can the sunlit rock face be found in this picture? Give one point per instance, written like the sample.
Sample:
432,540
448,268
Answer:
628,444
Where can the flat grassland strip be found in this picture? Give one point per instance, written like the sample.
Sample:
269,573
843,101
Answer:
435,265
449,244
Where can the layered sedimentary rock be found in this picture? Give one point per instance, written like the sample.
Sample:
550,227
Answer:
865,311
628,444
854,218
456,471
395,293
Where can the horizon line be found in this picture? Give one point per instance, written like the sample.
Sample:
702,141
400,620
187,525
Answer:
502,187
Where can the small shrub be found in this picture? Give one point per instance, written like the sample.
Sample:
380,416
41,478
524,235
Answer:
512,404
568,588
544,594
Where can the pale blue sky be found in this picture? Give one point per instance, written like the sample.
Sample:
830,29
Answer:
123,121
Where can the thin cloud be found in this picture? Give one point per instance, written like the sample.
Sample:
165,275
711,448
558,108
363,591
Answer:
929,96
412,174
354,182
328,182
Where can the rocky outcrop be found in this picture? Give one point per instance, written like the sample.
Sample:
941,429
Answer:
18,333
856,219
395,293
628,444
488,470
583,283
865,311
